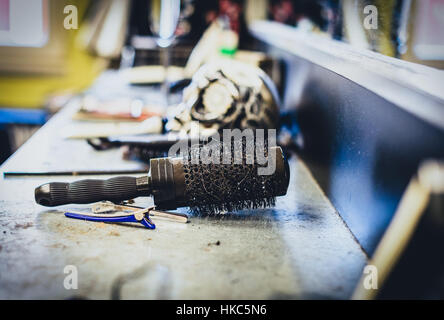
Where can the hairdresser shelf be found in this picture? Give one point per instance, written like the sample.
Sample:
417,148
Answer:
299,249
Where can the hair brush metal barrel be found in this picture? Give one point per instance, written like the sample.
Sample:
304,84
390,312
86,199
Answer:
179,182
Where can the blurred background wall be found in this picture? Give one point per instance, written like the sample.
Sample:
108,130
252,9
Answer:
39,74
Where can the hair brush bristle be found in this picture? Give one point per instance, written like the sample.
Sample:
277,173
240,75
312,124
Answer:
218,188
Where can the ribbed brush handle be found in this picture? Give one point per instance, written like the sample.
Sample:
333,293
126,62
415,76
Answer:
87,191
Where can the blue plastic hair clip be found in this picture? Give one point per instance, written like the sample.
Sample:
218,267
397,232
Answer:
141,216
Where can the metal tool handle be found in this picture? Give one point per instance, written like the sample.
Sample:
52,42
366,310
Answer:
87,191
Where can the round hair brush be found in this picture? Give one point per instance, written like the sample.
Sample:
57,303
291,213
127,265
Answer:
182,182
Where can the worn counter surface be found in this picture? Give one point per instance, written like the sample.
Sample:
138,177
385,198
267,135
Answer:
299,249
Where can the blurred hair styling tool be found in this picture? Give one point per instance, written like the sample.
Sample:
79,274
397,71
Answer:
143,147
180,182
222,95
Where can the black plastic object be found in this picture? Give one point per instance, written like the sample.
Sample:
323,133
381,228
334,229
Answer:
88,191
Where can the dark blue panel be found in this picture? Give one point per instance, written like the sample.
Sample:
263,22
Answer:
23,116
